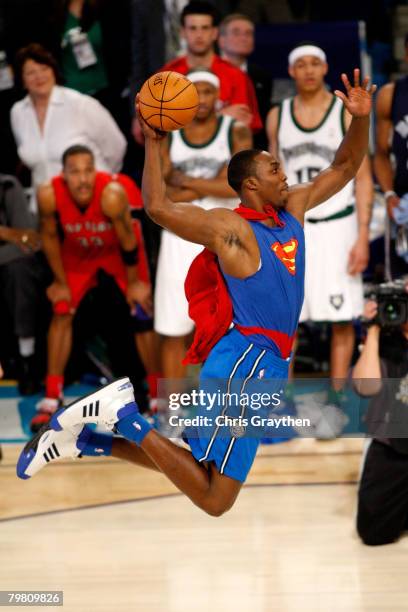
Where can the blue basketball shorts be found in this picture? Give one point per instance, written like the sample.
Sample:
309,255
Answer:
236,369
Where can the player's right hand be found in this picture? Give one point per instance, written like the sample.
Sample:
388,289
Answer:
148,132
58,292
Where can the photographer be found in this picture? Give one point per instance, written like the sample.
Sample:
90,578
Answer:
381,373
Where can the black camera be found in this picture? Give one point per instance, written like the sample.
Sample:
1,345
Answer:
392,300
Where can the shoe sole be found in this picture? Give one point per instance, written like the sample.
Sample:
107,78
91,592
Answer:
57,419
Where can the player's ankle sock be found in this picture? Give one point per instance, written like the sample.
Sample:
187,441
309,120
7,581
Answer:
54,384
134,427
98,444
152,384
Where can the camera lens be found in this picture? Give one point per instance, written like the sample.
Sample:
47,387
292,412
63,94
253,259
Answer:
392,312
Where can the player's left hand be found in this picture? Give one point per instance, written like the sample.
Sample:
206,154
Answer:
358,257
358,98
139,292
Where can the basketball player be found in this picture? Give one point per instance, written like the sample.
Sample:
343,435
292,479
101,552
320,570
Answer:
392,142
255,262
196,159
304,132
93,215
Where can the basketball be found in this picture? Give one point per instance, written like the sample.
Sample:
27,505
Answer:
168,101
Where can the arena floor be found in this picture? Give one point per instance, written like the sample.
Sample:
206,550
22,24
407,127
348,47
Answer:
113,536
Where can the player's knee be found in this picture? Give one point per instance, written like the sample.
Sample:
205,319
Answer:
217,507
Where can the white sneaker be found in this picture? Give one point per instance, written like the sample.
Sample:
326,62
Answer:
48,446
104,407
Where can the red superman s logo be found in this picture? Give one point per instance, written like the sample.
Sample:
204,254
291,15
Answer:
286,252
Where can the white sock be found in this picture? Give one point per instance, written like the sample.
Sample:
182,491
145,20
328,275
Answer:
26,346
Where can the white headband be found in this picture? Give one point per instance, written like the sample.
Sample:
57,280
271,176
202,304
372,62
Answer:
306,50
204,75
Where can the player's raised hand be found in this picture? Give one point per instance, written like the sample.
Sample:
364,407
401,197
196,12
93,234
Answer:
148,132
358,98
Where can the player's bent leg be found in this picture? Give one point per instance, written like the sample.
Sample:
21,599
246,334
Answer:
114,406
205,486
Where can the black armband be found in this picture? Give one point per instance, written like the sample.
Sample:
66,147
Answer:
130,258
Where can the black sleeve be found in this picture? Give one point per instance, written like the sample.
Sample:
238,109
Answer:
16,205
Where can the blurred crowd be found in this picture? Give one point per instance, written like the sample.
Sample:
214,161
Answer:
90,287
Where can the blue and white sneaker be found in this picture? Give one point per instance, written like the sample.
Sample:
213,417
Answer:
104,407
48,446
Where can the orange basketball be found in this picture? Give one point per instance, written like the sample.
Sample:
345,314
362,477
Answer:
168,101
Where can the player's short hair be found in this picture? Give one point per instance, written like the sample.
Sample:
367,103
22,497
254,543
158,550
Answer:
200,7
77,149
242,166
233,17
38,54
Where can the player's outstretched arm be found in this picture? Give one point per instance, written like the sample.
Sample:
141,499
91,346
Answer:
350,154
186,220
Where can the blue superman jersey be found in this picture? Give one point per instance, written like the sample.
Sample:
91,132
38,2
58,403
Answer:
271,299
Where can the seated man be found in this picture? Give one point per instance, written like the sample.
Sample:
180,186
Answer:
91,212
22,275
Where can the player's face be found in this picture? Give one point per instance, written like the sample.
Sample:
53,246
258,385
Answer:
38,79
207,98
272,181
199,33
238,38
79,174
308,72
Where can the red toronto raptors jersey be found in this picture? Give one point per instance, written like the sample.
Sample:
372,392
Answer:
88,235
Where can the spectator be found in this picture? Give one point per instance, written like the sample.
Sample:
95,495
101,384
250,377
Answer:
92,44
51,118
236,42
22,276
91,211
304,133
196,169
392,144
199,29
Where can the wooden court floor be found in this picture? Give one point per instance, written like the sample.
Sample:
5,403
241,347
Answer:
115,537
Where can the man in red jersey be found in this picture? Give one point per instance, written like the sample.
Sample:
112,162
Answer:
91,212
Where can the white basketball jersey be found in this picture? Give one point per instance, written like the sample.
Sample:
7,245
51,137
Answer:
306,152
205,160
